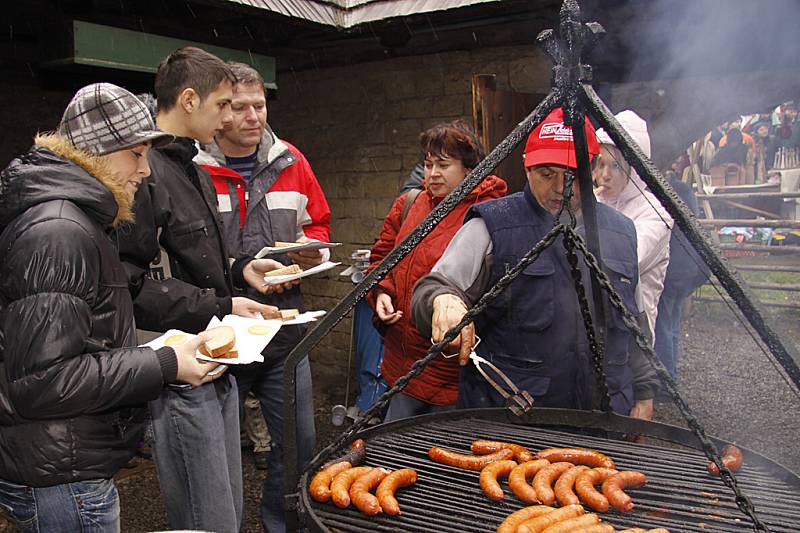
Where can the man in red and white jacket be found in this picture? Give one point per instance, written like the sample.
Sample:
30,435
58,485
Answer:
267,193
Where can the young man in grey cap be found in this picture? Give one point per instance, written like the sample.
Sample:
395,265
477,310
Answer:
73,384
197,448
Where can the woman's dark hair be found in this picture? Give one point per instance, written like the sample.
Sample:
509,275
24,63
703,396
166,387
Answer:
453,139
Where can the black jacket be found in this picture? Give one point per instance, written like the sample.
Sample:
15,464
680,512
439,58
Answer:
72,383
175,258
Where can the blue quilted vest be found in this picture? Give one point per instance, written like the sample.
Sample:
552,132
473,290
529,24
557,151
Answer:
533,331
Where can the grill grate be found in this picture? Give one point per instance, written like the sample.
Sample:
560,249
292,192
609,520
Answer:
679,495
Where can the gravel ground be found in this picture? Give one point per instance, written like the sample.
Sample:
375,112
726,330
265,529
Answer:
723,375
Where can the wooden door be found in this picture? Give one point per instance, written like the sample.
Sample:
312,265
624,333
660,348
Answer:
494,114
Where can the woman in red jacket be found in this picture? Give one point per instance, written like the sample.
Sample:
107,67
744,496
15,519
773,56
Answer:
451,151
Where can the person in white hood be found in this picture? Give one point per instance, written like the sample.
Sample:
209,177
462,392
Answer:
619,186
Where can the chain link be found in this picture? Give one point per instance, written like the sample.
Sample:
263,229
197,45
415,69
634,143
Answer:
742,501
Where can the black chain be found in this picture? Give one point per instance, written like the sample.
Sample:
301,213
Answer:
596,349
742,501
437,348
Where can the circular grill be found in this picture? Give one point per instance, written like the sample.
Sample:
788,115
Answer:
680,495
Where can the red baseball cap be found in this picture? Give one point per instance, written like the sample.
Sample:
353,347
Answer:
550,143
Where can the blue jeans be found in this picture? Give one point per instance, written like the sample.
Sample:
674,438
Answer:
266,381
198,457
668,327
403,406
369,355
90,506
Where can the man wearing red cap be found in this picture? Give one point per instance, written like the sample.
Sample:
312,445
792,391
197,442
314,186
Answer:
533,331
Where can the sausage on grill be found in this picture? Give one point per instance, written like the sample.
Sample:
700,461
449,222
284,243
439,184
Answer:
521,453
579,523
355,455
563,489
540,523
340,486
544,479
489,484
518,480
468,462
584,487
612,489
359,491
513,521
731,457
320,487
386,490
578,456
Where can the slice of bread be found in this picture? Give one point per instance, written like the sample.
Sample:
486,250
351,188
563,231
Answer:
281,244
221,340
288,314
291,269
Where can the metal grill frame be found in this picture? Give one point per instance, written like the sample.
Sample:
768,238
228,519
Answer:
540,418
571,90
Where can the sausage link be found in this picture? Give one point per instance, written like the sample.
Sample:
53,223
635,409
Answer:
612,489
512,521
640,530
320,487
658,530
359,491
340,486
599,528
540,523
731,457
489,484
563,489
578,456
355,455
579,523
521,453
584,487
386,490
518,480
468,462
544,479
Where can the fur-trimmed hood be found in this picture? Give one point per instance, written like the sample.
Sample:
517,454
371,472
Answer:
55,170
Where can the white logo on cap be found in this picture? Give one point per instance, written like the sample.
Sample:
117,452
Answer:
556,130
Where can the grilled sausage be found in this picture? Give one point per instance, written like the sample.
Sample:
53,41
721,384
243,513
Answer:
599,528
467,462
340,486
512,521
579,523
540,523
489,484
563,489
544,479
359,491
640,530
320,488
578,456
584,487
386,490
612,489
518,480
355,456
731,457
521,453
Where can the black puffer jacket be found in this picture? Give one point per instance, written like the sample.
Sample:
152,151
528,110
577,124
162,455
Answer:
71,396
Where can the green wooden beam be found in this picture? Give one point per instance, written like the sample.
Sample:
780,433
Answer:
109,47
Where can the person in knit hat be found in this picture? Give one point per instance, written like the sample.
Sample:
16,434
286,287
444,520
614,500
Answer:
73,385
533,332
620,187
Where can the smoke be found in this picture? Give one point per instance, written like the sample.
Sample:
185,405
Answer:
684,39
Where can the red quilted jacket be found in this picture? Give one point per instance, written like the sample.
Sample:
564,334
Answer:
438,383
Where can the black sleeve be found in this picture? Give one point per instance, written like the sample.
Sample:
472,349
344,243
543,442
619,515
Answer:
167,303
54,368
